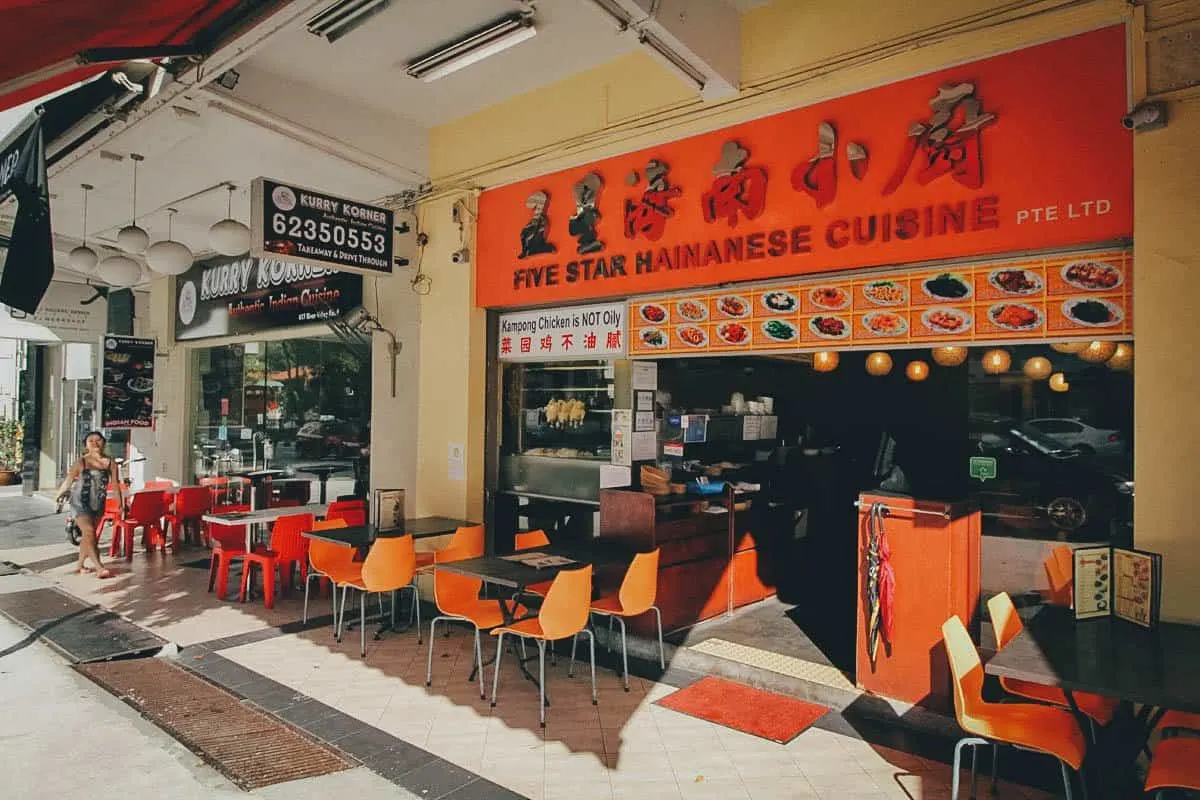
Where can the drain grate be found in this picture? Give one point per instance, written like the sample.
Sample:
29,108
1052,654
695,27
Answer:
80,631
250,748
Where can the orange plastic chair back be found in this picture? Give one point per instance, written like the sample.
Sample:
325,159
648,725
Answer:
1006,622
192,501
568,602
531,539
966,670
146,507
1059,572
287,536
390,565
467,543
453,592
639,587
159,485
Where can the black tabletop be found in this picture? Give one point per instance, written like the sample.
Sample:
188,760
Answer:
1107,656
257,474
502,572
363,535
321,470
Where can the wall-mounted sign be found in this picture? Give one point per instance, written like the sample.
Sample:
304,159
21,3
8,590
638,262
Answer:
558,333
231,296
61,316
957,163
310,227
127,381
1079,295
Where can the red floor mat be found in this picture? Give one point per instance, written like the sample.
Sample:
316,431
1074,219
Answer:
743,708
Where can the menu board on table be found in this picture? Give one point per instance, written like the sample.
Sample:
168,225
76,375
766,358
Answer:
1110,581
1086,295
127,381
389,509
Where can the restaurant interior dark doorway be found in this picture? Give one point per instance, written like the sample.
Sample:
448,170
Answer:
1064,467
287,404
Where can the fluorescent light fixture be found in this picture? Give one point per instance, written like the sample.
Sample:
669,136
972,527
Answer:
617,14
475,46
672,61
343,17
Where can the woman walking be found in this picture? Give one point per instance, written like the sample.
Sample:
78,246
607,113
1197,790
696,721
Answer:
85,488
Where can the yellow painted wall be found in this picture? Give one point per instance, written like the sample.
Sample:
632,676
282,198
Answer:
1166,305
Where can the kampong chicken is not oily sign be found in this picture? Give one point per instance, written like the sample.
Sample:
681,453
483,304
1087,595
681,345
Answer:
1019,152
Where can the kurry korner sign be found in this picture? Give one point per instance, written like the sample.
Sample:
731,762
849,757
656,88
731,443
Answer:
1019,152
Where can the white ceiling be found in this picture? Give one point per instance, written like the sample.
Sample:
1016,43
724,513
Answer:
368,64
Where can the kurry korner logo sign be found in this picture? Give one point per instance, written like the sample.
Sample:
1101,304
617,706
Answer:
1023,151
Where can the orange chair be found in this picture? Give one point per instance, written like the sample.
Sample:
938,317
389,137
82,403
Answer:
466,543
563,615
112,513
286,552
145,512
1178,721
160,485
327,559
353,511
191,504
228,542
457,600
1060,572
1175,765
639,590
1007,624
390,566
1027,725
530,539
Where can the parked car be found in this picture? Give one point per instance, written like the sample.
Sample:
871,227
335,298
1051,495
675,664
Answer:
1043,485
328,439
1079,435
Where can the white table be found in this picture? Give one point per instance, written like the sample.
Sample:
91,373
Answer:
262,516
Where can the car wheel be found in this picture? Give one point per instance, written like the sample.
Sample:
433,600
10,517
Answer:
1066,514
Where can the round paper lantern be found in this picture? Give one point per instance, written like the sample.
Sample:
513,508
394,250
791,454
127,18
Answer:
1122,359
133,239
119,271
1098,352
1058,382
1068,347
169,258
825,361
229,237
879,363
1037,368
996,362
917,371
949,356
83,259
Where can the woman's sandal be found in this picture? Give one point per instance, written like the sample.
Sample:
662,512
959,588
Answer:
105,573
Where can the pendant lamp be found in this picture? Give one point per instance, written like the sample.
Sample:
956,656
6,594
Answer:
949,356
879,363
120,272
83,259
1098,352
996,362
229,237
825,361
1038,368
917,371
1122,357
169,257
132,238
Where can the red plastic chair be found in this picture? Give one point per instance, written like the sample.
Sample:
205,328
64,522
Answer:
191,504
145,512
288,549
112,513
354,512
228,543
206,529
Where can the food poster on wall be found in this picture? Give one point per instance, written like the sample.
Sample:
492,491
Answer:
955,164
1085,295
127,381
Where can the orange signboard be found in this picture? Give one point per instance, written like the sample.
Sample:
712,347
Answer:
1016,153
1084,295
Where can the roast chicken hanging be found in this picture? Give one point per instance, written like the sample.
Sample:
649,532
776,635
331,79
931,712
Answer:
565,413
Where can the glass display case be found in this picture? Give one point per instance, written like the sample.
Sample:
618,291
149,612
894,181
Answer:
557,427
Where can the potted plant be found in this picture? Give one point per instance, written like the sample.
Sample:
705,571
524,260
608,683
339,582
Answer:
10,451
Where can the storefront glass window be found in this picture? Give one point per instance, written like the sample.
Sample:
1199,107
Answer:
283,405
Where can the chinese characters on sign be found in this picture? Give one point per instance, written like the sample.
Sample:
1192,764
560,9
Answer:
969,168
563,333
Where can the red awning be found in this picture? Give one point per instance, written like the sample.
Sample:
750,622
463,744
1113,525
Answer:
39,37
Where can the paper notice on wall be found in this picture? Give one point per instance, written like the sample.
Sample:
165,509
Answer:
752,428
622,432
645,446
615,477
457,463
644,421
770,428
645,376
